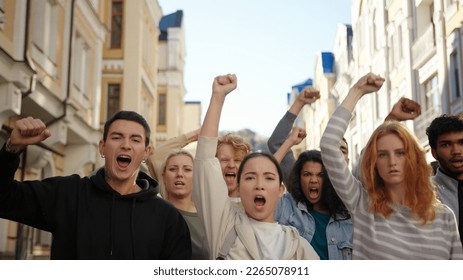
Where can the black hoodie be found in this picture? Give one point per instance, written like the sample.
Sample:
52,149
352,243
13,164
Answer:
89,220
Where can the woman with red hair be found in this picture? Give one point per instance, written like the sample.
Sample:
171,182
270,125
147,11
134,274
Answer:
396,214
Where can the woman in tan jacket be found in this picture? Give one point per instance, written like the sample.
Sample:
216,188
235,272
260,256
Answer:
234,233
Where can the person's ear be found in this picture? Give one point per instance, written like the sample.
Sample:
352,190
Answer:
101,148
281,191
148,151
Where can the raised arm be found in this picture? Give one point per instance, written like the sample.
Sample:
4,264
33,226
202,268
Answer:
156,159
222,86
345,184
404,109
367,84
281,132
210,193
27,131
296,137
30,203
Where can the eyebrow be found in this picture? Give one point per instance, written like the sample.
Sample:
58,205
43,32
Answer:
317,173
180,165
122,134
394,150
255,173
450,141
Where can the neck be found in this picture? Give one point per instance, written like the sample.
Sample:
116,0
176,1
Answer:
397,193
123,187
234,193
185,203
320,208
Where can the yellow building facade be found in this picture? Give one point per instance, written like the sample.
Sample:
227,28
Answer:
74,63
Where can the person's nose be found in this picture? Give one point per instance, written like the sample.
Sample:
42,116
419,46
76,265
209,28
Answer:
313,179
457,149
259,184
231,163
392,161
126,144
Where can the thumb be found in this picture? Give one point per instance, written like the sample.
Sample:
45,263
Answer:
45,134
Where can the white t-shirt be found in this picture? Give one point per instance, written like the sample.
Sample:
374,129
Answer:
270,238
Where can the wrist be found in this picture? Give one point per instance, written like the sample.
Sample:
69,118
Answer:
391,117
13,148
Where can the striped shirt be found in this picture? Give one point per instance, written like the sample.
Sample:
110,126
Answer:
398,236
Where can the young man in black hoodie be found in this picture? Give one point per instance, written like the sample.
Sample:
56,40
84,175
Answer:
114,214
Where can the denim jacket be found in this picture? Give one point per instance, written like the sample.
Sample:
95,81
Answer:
338,232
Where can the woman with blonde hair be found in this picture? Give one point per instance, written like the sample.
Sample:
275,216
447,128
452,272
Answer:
172,166
177,182
395,212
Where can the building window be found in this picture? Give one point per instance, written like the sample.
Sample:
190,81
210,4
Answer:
162,112
449,3
116,23
400,53
45,27
455,90
391,53
431,94
81,65
113,101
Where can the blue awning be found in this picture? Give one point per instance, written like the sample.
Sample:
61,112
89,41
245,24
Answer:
302,85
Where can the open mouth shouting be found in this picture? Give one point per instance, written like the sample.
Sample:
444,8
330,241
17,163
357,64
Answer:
230,178
123,161
259,200
313,193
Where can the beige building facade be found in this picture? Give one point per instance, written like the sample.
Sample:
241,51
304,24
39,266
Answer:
416,45
74,63
51,53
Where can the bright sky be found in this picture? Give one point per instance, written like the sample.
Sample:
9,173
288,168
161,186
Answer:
270,45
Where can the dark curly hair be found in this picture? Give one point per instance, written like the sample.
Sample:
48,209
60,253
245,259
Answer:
329,199
443,125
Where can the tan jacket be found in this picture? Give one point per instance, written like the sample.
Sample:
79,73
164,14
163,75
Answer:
219,216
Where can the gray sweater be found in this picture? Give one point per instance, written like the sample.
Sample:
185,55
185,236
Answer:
398,236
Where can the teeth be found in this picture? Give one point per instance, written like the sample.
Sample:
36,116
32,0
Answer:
124,158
